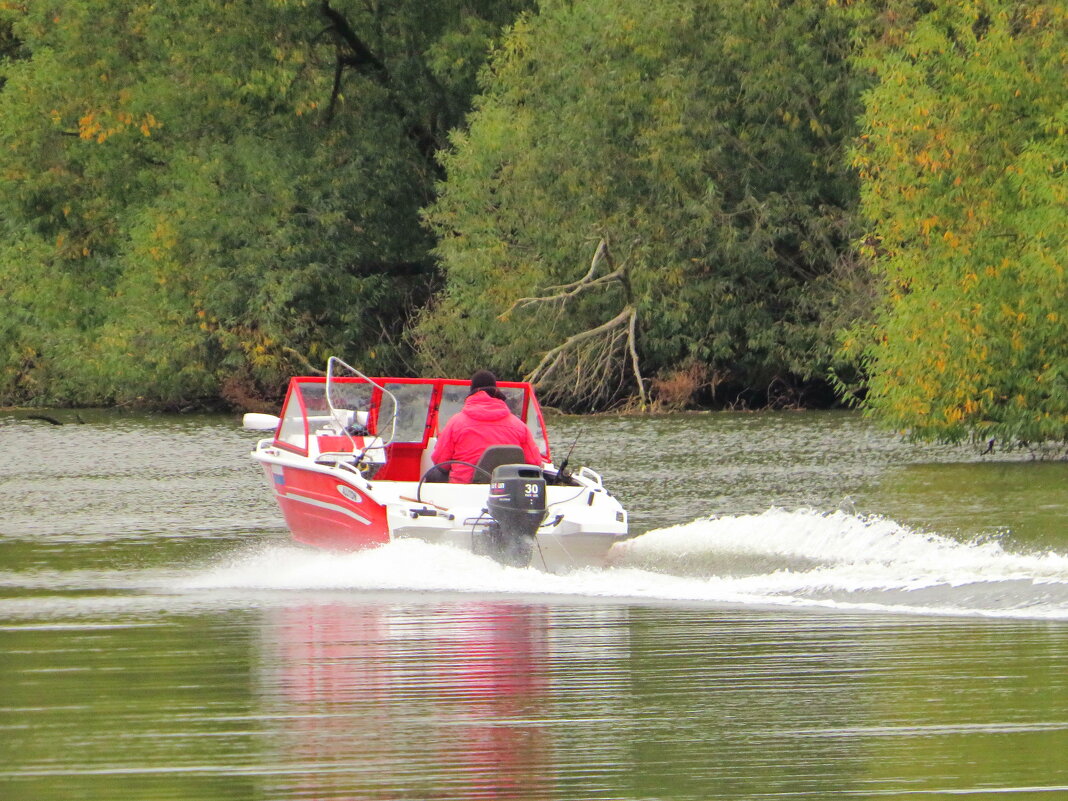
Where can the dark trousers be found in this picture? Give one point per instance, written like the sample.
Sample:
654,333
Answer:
436,475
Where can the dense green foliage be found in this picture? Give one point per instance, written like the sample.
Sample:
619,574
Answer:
192,193
703,143
964,160
680,202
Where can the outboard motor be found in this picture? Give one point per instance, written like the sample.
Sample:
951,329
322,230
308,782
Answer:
517,505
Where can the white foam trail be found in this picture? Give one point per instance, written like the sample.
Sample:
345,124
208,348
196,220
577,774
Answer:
849,551
800,558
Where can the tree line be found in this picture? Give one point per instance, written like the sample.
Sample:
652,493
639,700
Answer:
658,205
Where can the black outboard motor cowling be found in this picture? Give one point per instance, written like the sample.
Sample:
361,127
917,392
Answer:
517,505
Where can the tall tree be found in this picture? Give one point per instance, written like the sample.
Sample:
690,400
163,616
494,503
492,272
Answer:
702,145
964,159
191,194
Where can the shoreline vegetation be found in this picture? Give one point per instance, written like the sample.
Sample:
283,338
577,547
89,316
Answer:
695,204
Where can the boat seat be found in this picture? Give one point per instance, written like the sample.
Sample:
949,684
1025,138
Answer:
425,462
493,457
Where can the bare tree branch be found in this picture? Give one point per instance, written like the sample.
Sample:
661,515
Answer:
358,55
591,366
567,291
303,360
633,348
571,291
351,52
550,361
599,255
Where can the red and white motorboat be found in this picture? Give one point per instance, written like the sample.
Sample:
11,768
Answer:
350,454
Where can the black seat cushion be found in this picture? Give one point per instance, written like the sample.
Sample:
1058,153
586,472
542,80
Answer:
493,457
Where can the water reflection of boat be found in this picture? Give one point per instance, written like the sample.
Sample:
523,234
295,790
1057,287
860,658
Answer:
443,701
349,459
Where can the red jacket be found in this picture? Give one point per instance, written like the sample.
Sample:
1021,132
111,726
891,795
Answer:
484,421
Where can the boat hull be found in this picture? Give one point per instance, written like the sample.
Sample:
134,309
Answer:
328,506
326,512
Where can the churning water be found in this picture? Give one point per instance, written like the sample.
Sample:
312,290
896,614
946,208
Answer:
794,558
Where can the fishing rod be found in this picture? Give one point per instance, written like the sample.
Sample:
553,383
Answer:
561,474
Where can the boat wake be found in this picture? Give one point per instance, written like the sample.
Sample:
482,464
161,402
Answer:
798,558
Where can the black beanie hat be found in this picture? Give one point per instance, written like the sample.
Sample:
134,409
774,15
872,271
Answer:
483,379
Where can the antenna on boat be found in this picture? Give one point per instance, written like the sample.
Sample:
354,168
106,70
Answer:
561,472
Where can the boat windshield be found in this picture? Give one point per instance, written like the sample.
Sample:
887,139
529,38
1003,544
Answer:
355,397
307,410
413,409
454,395
304,401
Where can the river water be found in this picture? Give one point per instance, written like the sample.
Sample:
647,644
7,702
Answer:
813,609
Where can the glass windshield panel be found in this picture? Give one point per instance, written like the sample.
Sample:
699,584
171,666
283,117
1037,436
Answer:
534,424
513,396
352,405
413,407
292,431
452,401
453,397
320,418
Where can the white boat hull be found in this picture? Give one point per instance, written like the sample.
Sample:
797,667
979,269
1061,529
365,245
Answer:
333,506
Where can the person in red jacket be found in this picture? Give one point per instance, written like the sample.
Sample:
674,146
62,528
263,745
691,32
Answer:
484,421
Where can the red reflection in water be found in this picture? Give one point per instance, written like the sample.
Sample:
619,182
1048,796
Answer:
380,701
